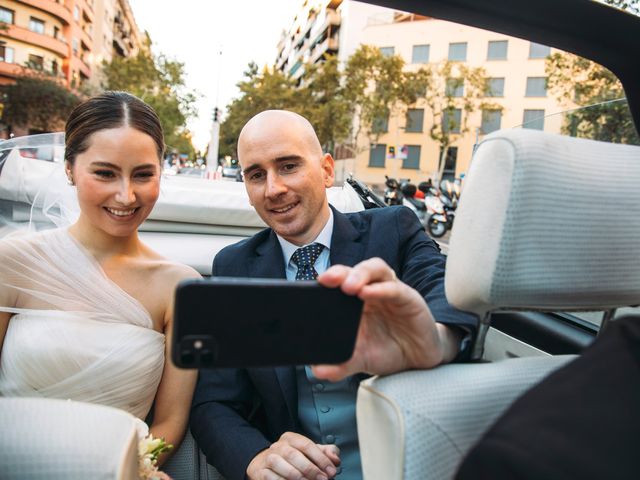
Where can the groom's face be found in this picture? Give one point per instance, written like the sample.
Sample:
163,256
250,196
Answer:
286,175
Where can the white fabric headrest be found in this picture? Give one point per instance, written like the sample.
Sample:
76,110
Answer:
547,222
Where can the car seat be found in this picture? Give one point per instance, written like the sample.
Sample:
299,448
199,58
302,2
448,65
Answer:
515,246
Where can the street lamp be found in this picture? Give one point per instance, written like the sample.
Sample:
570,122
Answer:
212,155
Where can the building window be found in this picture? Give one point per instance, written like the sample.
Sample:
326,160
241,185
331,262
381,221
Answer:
54,67
451,120
75,46
497,50
76,13
533,119
450,161
420,54
36,62
6,54
490,121
458,52
380,124
6,15
536,87
538,51
388,51
454,87
413,157
415,120
495,87
56,32
377,154
36,25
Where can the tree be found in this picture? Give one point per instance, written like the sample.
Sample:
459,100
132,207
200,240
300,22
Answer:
376,87
160,82
269,89
37,101
577,81
454,92
326,105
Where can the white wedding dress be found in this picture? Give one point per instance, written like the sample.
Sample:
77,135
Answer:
74,334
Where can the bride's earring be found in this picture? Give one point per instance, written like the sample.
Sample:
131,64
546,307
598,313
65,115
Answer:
70,180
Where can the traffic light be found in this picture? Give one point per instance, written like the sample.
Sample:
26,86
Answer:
215,114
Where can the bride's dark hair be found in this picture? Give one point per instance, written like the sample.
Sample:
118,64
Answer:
110,110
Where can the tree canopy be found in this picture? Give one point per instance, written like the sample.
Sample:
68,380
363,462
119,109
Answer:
602,113
159,81
37,101
350,106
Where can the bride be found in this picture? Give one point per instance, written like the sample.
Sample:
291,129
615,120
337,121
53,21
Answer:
86,311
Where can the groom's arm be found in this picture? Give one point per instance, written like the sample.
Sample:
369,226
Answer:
221,405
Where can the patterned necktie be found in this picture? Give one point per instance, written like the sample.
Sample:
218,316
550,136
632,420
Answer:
305,258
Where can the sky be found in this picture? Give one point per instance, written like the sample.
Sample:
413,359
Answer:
194,32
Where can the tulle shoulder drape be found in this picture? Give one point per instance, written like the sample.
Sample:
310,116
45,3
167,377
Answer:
74,334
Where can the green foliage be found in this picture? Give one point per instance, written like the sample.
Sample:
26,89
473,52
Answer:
259,91
325,104
577,81
37,101
160,82
350,106
449,86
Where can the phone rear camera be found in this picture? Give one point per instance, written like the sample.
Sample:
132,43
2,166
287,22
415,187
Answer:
187,358
206,357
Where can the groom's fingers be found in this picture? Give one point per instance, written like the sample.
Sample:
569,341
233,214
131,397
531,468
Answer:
332,373
351,280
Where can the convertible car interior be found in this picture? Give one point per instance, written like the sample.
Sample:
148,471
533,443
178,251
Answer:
547,227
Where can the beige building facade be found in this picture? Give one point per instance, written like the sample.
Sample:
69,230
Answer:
516,72
67,39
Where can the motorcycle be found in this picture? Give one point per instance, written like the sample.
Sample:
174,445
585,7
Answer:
392,194
409,199
441,206
368,198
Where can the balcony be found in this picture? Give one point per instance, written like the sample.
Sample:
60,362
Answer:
328,45
53,8
10,70
86,38
87,13
331,18
83,68
44,41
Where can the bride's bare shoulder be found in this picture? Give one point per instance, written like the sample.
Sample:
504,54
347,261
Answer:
170,271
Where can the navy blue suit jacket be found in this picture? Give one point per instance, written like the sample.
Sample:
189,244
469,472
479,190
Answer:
237,413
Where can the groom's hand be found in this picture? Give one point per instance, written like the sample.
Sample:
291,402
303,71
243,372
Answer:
293,457
397,331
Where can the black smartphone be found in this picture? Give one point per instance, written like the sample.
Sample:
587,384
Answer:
242,322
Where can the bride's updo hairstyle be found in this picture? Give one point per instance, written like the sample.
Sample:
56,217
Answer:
110,110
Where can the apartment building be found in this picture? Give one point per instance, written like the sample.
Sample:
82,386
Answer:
516,72
68,39
115,34
324,27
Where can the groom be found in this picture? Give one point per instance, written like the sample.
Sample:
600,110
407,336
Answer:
285,422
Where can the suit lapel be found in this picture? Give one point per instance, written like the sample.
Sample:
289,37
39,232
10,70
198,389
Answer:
346,247
268,261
